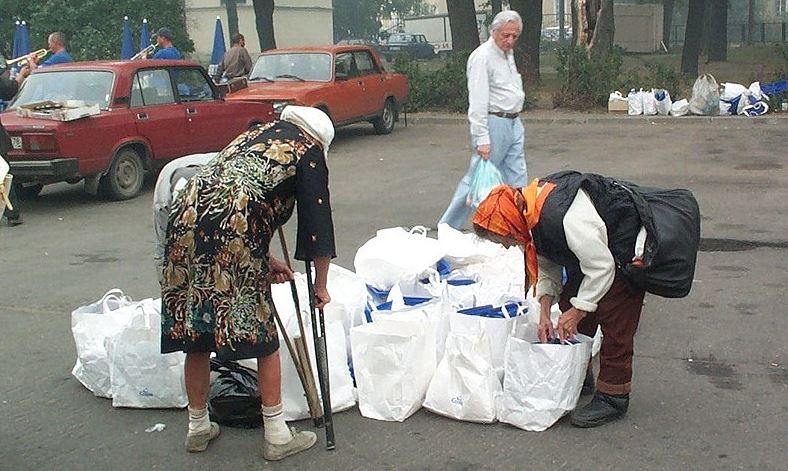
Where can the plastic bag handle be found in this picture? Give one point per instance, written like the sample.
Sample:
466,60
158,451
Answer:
419,230
114,294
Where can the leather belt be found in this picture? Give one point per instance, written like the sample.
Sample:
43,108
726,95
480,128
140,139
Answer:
501,114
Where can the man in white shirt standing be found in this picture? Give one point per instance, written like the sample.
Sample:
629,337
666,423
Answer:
495,99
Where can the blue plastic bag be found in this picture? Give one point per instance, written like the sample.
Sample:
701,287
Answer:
485,177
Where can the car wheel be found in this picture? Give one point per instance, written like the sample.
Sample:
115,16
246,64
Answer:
28,192
384,124
125,176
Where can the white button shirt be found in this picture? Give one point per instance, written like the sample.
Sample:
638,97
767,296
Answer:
493,85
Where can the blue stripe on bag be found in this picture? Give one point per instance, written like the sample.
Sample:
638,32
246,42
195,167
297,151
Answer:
492,312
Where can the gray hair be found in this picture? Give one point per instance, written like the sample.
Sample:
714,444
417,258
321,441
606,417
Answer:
506,16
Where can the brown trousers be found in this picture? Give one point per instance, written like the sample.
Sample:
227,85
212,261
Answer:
618,313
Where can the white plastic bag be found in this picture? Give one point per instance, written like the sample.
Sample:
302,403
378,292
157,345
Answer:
140,375
464,249
705,99
679,108
649,102
395,253
663,102
495,329
393,361
542,382
635,102
464,386
91,325
343,394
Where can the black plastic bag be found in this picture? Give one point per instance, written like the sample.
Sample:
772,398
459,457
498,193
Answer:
234,398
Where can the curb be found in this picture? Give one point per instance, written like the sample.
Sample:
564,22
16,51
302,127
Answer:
617,119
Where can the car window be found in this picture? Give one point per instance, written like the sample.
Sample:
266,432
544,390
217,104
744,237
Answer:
364,63
192,85
136,92
92,87
300,66
155,86
345,66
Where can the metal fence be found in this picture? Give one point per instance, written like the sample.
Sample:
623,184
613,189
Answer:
764,32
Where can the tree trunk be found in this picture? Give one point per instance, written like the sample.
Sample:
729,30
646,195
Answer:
692,37
462,19
750,22
232,17
667,21
717,49
527,48
497,6
593,26
264,20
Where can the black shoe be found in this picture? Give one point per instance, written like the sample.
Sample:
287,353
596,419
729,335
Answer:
588,383
602,409
14,221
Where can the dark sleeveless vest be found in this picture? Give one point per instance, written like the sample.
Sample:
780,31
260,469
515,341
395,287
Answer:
613,203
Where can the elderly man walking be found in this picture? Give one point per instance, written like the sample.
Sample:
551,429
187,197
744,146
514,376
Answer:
495,96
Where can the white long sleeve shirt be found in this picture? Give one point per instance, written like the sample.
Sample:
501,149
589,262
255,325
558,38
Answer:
586,236
493,86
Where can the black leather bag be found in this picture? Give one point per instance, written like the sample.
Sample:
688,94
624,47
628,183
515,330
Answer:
672,222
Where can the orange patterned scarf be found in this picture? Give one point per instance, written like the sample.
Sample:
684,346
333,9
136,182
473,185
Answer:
513,212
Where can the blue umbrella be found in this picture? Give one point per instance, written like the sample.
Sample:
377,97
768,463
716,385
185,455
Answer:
24,40
17,37
144,35
218,43
126,43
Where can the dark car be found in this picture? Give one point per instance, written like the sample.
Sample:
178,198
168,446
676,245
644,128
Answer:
413,45
144,114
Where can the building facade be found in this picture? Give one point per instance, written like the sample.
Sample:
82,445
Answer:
296,23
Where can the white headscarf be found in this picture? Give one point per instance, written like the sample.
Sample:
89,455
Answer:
312,121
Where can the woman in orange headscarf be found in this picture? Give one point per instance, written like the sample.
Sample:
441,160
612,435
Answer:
583,223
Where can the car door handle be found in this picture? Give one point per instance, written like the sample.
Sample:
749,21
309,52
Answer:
191,111
142,116
361,82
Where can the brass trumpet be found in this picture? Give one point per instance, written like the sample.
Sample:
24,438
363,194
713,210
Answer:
23,60
143,54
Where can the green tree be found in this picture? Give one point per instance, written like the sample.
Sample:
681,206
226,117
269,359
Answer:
92,27
361,18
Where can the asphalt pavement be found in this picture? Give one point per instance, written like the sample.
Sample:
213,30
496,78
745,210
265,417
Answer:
711,370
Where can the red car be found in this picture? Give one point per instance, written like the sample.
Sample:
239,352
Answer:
151,111
348,82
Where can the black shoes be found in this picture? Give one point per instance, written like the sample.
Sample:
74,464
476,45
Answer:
602,409
588,383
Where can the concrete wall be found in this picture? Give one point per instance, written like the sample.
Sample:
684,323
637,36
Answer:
638,27
296,23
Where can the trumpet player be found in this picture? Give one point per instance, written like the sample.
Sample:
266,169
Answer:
57,46
165,48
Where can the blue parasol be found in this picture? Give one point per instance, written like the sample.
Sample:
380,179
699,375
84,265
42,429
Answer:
126,43
144,35
17,36
24,40
218,43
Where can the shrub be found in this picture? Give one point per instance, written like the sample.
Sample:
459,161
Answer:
655,75
585,83
444,89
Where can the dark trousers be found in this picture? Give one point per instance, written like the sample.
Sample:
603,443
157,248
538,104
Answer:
618,313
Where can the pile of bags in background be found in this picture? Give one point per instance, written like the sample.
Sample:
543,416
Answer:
441,323
708,99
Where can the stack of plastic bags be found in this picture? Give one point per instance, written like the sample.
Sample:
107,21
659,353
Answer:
118,353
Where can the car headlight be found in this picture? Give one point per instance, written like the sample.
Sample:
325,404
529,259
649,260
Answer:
280,105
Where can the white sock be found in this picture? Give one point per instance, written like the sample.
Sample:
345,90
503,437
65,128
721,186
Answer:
198,420
276,430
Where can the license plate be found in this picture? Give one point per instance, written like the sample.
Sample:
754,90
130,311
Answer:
16,142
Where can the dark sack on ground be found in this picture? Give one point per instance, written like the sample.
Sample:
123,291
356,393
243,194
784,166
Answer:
234,398
672,221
